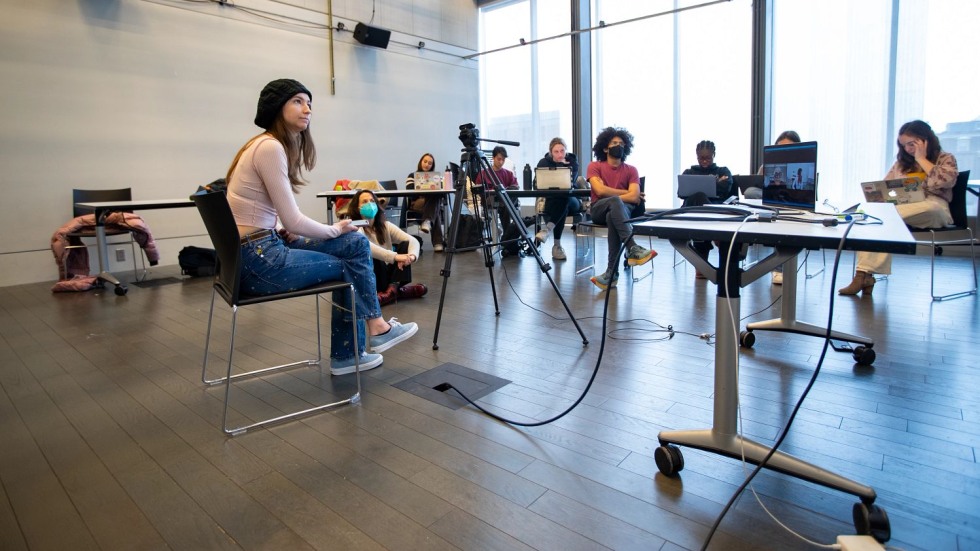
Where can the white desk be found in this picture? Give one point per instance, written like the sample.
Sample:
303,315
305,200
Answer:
103,208
789,239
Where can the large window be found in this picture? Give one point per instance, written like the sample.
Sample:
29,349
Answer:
851,82
674,81
526,92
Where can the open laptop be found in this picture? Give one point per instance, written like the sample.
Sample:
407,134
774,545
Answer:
790,176
689,184
428,180
553,177
899,191
745,181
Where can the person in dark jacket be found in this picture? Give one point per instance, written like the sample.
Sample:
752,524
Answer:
557,208
725,188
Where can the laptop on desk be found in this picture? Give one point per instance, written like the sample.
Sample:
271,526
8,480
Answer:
553,177
899,191
789,176
689,184
428,180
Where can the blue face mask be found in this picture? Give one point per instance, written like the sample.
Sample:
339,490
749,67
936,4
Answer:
369,210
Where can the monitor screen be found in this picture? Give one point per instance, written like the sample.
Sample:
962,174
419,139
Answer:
790,175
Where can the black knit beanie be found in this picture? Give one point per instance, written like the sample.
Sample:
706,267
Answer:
273,97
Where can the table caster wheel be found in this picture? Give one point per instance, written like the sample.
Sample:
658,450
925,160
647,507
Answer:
864,355
669,459
746,339
871,520
120,290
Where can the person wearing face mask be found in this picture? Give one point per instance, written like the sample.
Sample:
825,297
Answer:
262,181
557,208
616,196
724,188
392,250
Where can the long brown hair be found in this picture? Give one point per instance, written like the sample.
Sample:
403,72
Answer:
921,130
377,227
300,152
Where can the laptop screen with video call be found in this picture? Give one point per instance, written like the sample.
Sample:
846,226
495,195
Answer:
790,175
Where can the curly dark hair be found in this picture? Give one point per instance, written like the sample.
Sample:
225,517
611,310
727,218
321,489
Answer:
921,130
378,226
606,136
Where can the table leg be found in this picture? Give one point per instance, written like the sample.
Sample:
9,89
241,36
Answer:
102,247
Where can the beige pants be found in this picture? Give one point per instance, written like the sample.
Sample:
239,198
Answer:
931,213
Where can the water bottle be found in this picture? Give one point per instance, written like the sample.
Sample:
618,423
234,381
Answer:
527,177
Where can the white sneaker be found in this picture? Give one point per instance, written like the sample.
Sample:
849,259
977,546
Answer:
426,226
777,278
557,252
542,236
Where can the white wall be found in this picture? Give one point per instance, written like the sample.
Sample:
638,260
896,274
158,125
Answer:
158,96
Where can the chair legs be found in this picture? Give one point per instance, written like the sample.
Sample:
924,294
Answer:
932,267
228,377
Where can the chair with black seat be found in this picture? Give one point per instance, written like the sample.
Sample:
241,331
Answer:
101,195
961,224
221,227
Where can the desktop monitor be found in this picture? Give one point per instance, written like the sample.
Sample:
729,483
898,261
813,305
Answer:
790,175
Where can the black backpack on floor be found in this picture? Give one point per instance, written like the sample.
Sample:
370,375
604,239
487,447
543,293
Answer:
196,261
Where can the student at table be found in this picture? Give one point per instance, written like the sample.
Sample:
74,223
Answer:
919,155
430,208
557,208
262,181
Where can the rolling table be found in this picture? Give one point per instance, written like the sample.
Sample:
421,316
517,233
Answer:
102,209
788,239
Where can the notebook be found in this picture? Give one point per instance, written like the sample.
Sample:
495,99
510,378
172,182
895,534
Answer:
899,191
790,176
553,177
689,184
428,180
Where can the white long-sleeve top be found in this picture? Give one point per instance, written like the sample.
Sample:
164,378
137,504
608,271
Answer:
259,191
385,251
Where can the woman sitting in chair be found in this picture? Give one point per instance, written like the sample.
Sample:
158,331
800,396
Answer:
266,173
919,155
430,207
393,250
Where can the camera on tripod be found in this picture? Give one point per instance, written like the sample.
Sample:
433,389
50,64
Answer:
469,134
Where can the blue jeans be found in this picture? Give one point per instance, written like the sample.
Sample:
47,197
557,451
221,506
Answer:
613,213
270,265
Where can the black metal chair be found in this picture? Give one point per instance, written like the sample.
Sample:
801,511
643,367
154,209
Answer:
957,208
99,195
221,227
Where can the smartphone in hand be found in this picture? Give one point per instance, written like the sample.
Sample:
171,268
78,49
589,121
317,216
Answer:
359,223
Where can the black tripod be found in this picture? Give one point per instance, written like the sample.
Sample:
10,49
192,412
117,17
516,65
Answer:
471,164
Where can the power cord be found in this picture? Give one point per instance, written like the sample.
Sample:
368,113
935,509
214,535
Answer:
796,408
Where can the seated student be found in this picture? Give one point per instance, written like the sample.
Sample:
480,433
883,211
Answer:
724,184
507,179
429,207
557,208
392,250
921,155
786,137
615,193
262,179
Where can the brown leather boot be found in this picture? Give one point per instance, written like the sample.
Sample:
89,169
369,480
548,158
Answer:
412,290
387,296
863,282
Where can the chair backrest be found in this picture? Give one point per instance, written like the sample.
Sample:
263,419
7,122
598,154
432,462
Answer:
221,226
93,195
957,207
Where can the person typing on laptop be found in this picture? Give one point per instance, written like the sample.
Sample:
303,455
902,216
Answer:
919,154
724,184
557,208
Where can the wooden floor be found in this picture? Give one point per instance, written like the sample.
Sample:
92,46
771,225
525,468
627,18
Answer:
108,439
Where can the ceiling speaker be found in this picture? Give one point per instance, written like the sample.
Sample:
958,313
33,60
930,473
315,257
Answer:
371,36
